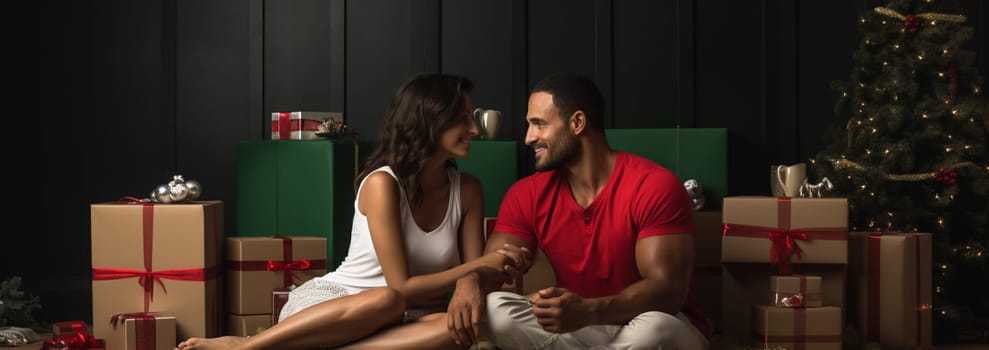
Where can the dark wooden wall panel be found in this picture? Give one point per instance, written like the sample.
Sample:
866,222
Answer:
298,57
561,38
822,59
645,61
476,42
211,115
729,87
378,46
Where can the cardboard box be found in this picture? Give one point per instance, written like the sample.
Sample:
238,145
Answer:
706,282
795,291
756,229
812,328
298,188
299,125
279,296
744,285
143,331
258,265
890,288
247,325
179,244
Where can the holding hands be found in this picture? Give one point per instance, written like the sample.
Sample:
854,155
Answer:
504,266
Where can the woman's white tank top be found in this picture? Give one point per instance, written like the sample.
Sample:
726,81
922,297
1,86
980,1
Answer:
427,252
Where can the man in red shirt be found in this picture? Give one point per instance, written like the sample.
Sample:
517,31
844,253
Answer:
617,228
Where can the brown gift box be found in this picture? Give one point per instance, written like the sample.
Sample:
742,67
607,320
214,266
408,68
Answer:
257,265
890,288
785,289
707,264
751,221
158,258
247,325
812,328
142,331
279,297
744,285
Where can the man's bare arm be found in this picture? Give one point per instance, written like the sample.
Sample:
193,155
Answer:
665,263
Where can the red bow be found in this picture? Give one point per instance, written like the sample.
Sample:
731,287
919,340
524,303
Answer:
303,264
784,245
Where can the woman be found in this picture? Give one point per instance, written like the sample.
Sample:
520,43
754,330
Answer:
414,216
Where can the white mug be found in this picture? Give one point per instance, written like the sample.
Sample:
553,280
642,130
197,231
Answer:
786,179
487,122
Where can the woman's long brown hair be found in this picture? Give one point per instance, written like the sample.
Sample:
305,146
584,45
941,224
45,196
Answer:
423,107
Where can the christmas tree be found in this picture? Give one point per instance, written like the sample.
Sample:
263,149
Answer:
912,156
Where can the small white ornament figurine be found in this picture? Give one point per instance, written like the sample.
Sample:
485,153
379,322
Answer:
810,190
696,192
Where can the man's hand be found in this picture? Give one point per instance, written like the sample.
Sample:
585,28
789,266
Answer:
559,310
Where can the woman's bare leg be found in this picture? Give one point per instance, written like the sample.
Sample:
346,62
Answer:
327,324
427,332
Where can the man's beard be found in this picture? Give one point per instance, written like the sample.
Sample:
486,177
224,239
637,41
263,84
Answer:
561,153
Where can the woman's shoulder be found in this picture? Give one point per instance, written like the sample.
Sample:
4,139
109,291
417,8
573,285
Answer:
380,179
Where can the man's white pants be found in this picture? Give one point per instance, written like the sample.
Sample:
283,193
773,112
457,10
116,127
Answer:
511,325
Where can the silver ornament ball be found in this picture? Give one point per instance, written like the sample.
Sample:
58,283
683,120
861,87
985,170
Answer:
195,190
161,194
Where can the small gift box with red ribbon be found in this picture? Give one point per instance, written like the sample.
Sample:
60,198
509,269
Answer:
258,265
69,328
142,331
812,328
890,290
300,125
795,291
247,325
160,258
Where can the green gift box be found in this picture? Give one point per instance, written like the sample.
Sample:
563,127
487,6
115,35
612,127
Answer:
493,163
690,153
298,188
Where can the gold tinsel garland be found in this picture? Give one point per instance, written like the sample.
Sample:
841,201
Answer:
927,15
845,163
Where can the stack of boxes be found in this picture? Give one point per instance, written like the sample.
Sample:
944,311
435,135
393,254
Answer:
767,242
257,267
156,272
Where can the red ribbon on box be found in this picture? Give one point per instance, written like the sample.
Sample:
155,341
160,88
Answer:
285,125
76,341
147,277
144,328
784,237
872,324
287,265
68,328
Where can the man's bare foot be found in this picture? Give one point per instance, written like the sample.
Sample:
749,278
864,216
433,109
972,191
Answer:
228,342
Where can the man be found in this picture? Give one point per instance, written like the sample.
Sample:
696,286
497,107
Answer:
617,229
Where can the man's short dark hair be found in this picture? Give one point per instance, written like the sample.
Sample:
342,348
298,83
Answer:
572,93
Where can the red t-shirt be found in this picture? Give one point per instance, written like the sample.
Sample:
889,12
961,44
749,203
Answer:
592,249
